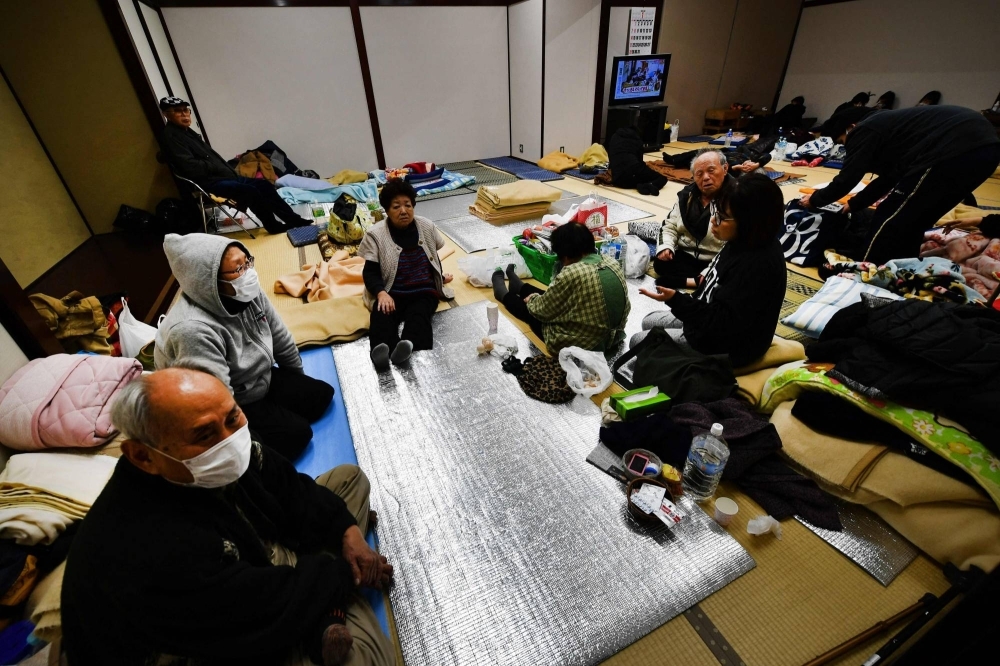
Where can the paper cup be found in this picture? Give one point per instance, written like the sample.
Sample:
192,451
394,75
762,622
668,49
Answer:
725,509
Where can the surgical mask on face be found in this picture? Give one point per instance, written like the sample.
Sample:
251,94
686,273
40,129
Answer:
247,286
222,464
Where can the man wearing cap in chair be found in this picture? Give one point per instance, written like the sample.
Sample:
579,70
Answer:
190,157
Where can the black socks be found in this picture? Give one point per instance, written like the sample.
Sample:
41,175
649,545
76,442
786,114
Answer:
515,282
499,288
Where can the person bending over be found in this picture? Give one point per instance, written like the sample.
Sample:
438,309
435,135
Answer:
685,245
225,325
206,547
736,307
927,159
190,157
403,277
628,168
585,306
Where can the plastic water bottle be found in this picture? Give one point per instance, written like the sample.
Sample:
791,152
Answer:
729,138
612,249
782,143
675,130
705,462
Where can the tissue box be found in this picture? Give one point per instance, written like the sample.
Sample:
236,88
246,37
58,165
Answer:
633,410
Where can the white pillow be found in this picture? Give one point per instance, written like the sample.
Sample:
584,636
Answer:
812,316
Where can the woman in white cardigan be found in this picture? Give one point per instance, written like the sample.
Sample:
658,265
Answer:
403,277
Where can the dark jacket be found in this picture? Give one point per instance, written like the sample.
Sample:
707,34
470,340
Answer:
935,356
158,568
190,157
735,310
624,153
895,144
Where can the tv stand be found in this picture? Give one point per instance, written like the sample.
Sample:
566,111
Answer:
649,118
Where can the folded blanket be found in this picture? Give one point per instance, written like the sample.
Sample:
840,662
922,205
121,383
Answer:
558,162
346,177
750,379
449,181
510,213
950,520
516,194
594,156
427,176
45,604
338,277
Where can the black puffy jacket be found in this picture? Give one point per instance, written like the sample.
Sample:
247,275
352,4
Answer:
941,357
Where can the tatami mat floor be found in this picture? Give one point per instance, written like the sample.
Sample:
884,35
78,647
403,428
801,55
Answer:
803,597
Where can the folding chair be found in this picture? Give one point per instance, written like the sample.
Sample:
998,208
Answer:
216,203
204,199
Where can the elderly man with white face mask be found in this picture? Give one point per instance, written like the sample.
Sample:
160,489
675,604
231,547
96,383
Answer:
206,547
225,325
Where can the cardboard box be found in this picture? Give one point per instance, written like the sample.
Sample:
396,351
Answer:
629,411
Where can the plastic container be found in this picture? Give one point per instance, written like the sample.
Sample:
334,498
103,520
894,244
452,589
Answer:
705,462
541,264
725,510
782,146
729,138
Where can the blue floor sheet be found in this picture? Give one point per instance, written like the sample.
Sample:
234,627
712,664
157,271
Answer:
333,445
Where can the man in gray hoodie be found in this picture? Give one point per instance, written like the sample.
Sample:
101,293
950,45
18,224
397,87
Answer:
226,326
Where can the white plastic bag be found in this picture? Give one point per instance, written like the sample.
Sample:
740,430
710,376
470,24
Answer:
479,268
587,372
636,256
132,333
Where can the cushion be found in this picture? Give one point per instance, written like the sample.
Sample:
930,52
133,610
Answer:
812,316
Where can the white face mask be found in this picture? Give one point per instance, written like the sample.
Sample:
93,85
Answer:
222,464
247,286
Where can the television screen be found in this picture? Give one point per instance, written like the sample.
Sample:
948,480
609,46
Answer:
637,79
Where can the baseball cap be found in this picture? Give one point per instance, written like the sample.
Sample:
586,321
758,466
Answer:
170,102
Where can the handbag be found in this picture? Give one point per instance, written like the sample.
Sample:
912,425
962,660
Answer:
349,232
541,378
678,371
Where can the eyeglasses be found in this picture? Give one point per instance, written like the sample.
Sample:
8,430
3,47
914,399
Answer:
717,217
185,111
240,270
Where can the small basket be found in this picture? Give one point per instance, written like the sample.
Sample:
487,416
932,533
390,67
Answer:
541,265
653,458
637,513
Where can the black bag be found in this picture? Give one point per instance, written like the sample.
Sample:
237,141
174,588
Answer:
136,220
177,218
680,372
807,233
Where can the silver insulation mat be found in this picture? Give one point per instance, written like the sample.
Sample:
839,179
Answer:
508,547
868,541
473,234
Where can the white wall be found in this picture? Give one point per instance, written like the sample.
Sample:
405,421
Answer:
287,74
525,24
142,47
440,80
617,46
572,30
907,46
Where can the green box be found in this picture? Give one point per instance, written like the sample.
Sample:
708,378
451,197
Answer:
633,410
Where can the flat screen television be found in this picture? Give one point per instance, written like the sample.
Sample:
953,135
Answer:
638,79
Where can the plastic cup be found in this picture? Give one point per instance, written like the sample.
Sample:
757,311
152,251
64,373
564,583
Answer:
493,317
725,509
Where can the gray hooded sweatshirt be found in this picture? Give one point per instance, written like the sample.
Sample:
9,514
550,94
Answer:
240,348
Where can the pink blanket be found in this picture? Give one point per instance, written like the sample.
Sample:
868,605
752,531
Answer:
63,400
978,255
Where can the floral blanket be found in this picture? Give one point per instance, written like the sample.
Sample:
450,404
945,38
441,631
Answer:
934,431
977,256
929,279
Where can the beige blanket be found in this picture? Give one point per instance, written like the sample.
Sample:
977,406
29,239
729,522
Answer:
337,277
516,194
949,520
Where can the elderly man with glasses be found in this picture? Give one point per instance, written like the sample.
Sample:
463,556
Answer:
225,325
190,157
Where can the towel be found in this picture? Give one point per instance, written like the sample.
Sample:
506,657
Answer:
338,277
594,156
347,176
516,194
558,162
296,190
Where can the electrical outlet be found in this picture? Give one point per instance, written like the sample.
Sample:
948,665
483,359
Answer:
562,149
520,147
